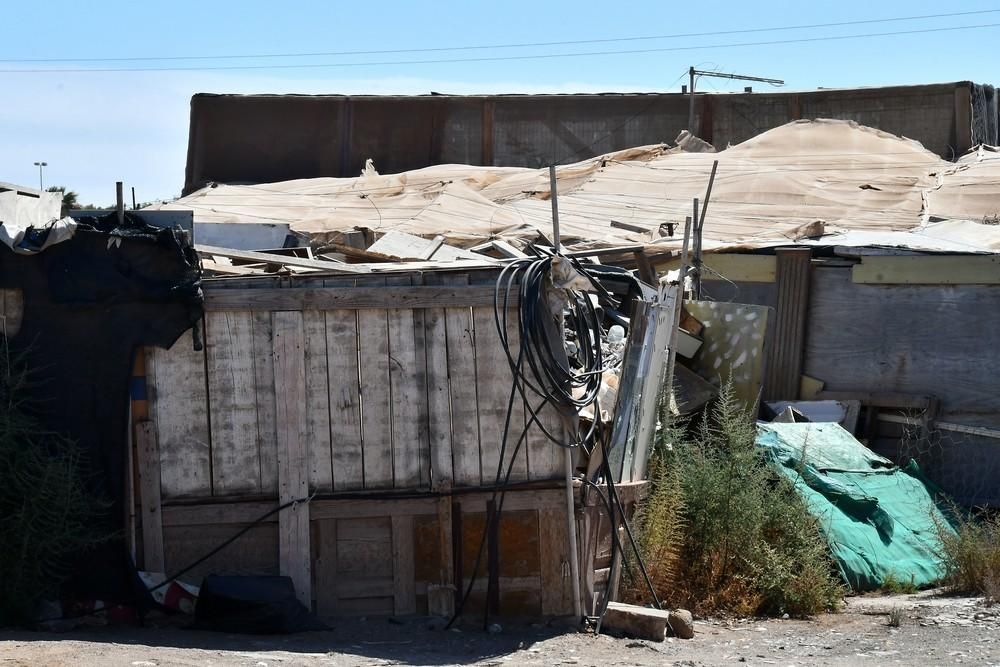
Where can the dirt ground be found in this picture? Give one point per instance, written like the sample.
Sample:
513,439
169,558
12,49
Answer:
934,629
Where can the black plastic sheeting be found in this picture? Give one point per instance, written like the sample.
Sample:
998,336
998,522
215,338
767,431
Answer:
89,303
259,605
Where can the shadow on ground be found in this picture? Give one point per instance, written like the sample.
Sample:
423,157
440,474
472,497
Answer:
416,641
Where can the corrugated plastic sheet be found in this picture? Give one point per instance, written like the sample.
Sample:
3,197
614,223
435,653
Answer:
868,187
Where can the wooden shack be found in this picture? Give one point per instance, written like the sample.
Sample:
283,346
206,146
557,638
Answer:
380,400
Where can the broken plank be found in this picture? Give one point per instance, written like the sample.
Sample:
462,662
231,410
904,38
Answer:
283,260
306,298
294,551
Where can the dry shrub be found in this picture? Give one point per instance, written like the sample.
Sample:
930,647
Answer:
972,553
48,515
723,533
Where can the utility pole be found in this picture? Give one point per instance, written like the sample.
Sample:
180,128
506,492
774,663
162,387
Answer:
41,182
693,73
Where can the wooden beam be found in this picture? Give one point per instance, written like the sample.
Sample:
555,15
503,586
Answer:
784,359
213,513
310,298
284,260
148,459
928,270
294,555
738,268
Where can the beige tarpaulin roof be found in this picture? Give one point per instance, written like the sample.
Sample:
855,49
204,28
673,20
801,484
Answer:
866,186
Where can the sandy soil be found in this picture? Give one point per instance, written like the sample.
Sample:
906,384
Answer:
934,630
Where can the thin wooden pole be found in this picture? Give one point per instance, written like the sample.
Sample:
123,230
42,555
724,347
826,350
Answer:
120,203
555,208
696,243
134,207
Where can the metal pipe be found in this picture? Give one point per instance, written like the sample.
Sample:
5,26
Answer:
574,556
691,101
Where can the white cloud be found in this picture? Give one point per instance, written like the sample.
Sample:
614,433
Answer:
95,129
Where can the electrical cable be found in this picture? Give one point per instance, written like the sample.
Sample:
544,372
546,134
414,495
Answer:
541,56
521,45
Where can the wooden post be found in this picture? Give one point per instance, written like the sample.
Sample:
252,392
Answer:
701,226
441,596
696,243
294,555
784,359
120,203
134,206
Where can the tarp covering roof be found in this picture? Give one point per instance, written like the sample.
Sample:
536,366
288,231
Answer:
866,186
880,520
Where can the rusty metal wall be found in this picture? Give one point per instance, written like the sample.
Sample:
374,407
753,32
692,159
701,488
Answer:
265,138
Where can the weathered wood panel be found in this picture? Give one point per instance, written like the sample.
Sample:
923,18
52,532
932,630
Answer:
494,383
376,399
12,311
267,429
438,398
178,404
345,400
255,552
148,464
307,298
937,340
317,401
233,403
293,451
465,443
408,391
404,593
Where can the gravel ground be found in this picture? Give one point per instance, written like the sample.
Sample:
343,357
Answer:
934,630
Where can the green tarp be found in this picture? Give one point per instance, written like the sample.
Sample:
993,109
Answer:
881,520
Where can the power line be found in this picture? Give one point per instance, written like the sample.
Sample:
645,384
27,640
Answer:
542,56
439,49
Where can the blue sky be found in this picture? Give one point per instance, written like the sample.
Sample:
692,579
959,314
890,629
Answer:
94,128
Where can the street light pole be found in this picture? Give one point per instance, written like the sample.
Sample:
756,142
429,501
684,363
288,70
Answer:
41,182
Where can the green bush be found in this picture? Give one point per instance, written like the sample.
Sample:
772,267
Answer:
721,533
47,514
972,553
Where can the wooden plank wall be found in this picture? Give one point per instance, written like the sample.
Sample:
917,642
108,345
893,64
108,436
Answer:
393,398
363,390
